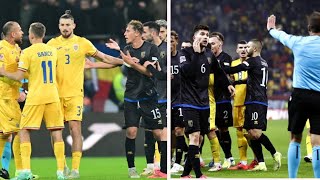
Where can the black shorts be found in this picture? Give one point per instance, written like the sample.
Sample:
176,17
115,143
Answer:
224,115
147,110
163,111
196,120
255,117
304,104
176,118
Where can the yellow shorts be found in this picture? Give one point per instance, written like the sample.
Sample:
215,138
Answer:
32,116
212,116
72,108
308,124
10,115
238,116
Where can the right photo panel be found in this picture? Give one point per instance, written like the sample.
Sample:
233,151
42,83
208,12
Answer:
245,89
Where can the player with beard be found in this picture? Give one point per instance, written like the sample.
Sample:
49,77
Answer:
9,107
151,34
72,51
257,104
197,62
240,83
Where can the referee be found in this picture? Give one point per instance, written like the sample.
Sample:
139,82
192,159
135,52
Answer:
304,101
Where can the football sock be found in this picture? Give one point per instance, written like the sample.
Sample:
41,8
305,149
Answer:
226,144
242,145
59,154
130,145
149,143
215,149
6,156
257,149
17,152
179,148
163,159
25,149
316,161
194,156
265,141
293,159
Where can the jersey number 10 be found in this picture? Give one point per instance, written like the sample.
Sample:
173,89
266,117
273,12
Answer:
44,70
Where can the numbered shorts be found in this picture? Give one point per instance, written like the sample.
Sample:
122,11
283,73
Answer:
176,118
32,116
72,108
147,110
212,116
238,116
224,115
304,104
196,120
10,115
255,117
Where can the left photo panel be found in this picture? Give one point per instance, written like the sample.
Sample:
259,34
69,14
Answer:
83,89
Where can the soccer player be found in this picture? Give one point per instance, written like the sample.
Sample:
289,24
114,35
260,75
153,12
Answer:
197,63
223,108
72,50
163,29
176,111
39,61
305,98
141,95
257,103
9,107
151,34
240,84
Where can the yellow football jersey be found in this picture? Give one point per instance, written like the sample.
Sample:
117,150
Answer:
9,57
70,65
241,89
40,61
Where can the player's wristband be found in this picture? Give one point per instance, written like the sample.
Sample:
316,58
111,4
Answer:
270,29
126,64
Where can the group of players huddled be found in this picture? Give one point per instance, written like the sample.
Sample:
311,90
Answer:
204,80
55,73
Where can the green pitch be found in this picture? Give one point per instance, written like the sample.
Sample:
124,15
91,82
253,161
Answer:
99,168
279,136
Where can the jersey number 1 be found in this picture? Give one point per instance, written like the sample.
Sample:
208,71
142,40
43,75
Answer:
264,81
44,70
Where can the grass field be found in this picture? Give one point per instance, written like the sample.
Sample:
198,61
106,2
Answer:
279,136
101,168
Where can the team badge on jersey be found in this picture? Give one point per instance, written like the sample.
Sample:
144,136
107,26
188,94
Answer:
190,123
182,59
162,54
143,54
76,47
1,56
209,60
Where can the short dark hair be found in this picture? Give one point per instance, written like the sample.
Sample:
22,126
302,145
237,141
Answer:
7,27
242,42
218,35
38,29
200,27
258,44
175,35
152,25
314,22
67,15
136,25
162,23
